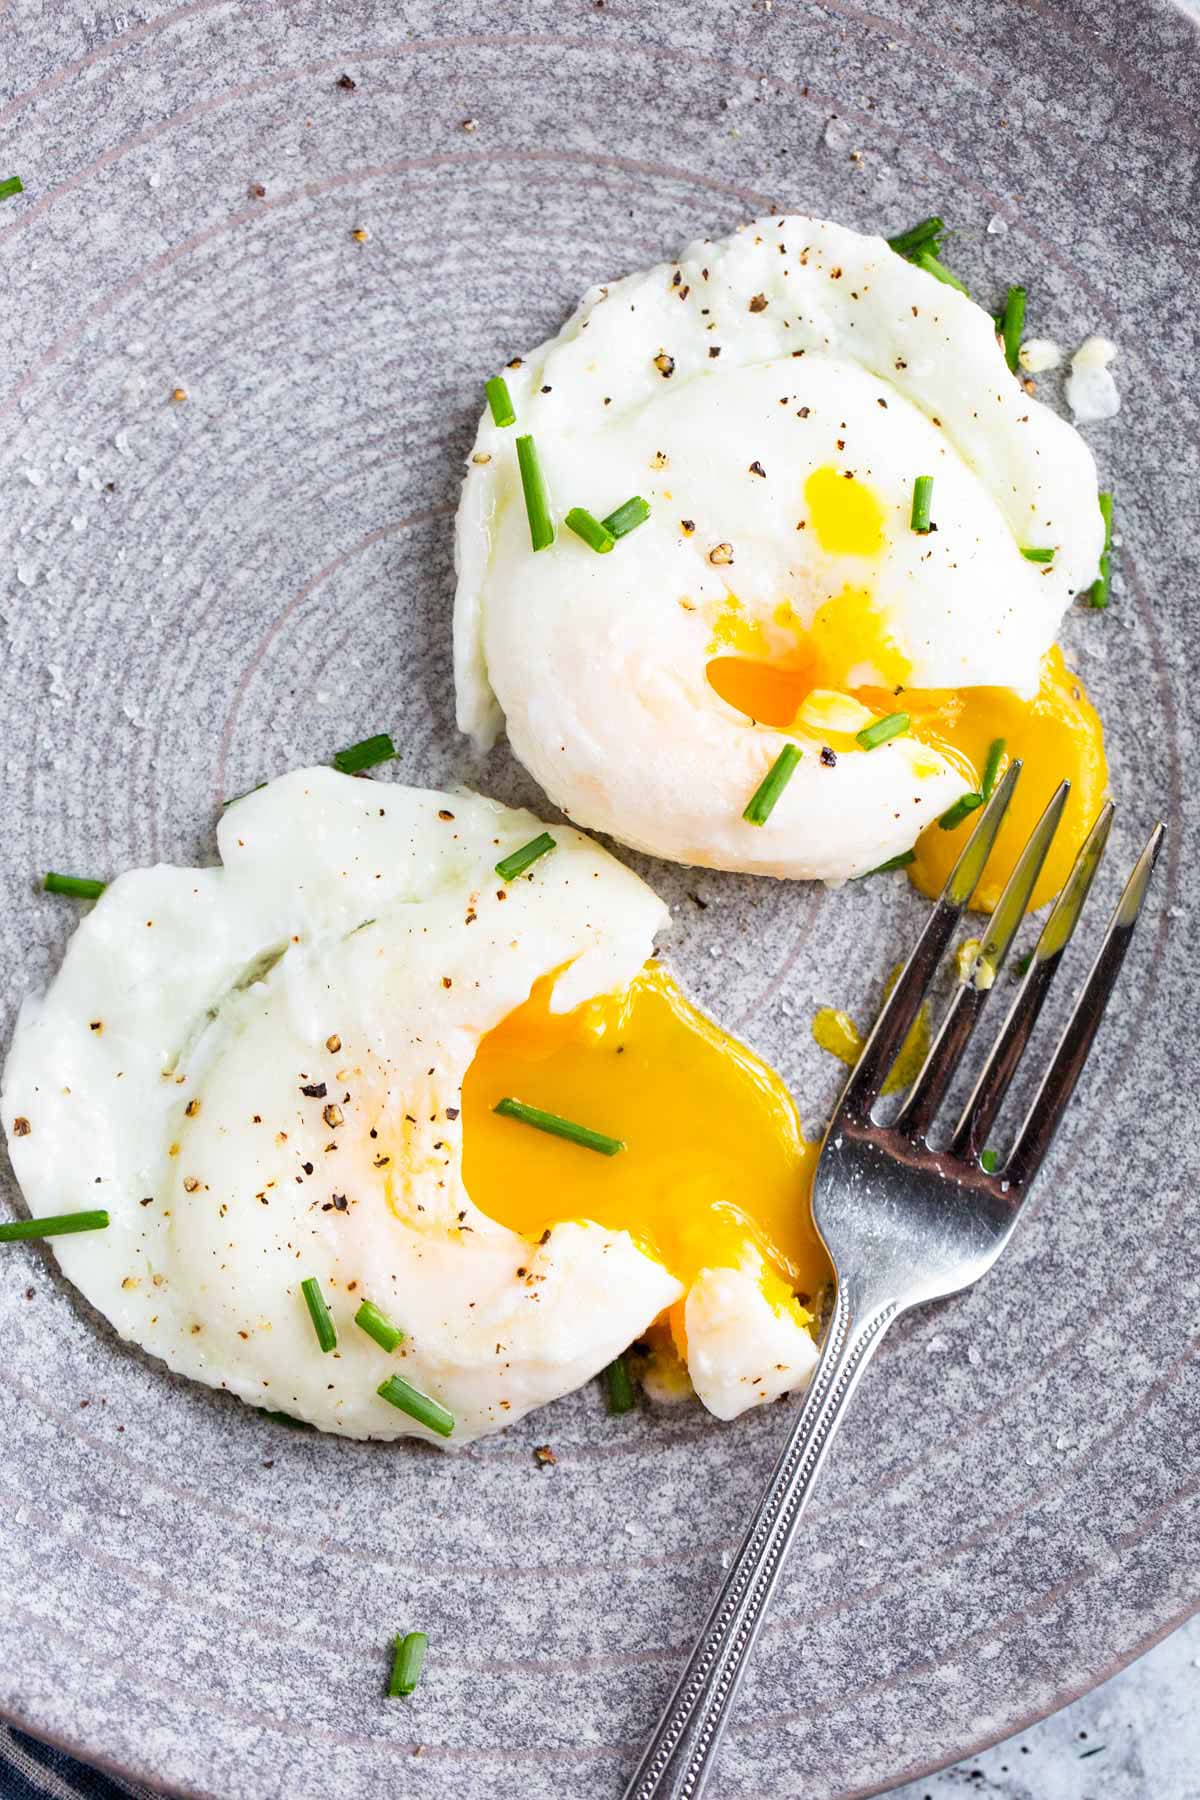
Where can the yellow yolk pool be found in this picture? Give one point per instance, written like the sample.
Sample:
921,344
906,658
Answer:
1056,735
714,1157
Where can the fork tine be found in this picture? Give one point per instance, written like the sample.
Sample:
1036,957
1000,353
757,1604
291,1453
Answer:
970,1134
937,1071
1058,1083
896,1017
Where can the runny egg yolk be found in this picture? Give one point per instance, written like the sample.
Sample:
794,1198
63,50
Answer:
849,649
844,513
1055,735
714,1159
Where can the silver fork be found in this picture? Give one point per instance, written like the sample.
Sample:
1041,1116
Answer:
905,1223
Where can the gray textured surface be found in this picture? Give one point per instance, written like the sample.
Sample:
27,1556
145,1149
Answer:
1135,1737
194,595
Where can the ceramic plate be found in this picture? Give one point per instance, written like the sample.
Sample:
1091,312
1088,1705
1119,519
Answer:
196,594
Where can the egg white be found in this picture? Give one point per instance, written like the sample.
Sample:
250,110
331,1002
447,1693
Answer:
355,940
832,351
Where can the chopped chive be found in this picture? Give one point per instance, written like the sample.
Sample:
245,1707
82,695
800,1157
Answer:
921,502
1012,325
991,768
765,796
537,502
52,1225
988,1160
586,526
500,401
618,1386
377,1325
1021,966
372,750
400,1393
628,516
79,887
1038,555
882,731
318,1312
893,862
508,1108
509,867
245,794
926,234
12,185
925,259
963,807
1098,592
282,1418
407,1664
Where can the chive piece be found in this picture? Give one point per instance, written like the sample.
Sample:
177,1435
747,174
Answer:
926,234
586,526
766,794
509,867
500,401
537,502
1012,325
372,750
1098,592
377,1325
12,185
988,1161
991,768
893,862
508,1108
1021,966
618,1386
318,1312
79,887
882,731
245,794
282,1418
925,259
627,517
922,501
963,807
52,1225
400,1393
1038,555
407,1664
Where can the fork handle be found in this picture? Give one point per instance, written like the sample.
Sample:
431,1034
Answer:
680,1756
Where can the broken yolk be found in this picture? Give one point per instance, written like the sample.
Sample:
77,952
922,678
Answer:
1055,735
714,1159
768,673
848,641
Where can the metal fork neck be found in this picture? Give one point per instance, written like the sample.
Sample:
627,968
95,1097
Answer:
680,1755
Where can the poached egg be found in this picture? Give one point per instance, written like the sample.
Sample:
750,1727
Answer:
285,1069
774,397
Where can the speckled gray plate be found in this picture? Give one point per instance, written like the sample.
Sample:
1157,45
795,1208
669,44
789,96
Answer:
196,594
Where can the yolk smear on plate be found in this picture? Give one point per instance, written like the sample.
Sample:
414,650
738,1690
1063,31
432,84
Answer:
714,1155
1056,735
